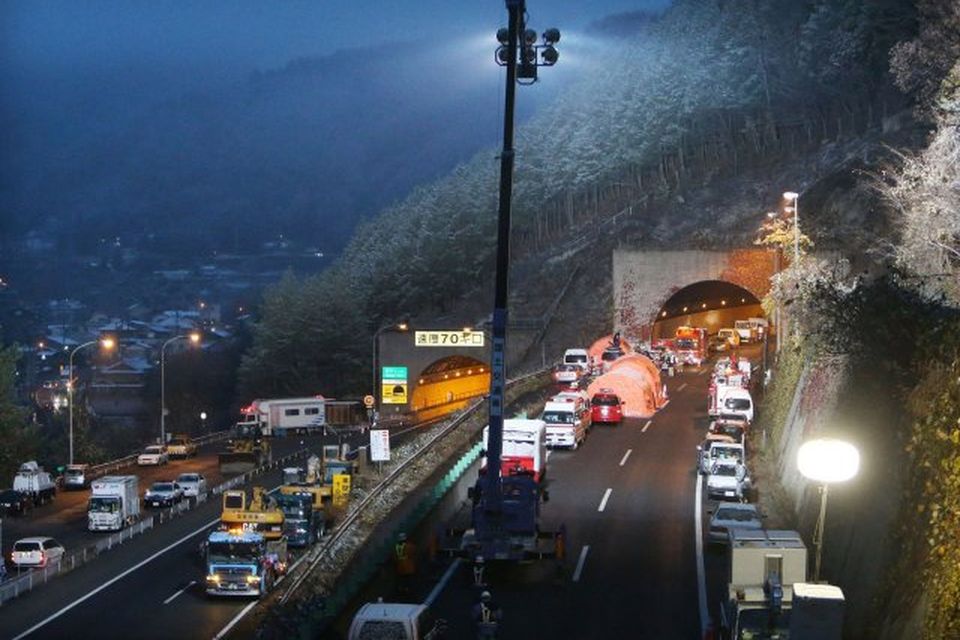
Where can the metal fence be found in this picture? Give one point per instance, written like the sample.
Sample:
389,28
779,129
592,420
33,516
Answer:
105,468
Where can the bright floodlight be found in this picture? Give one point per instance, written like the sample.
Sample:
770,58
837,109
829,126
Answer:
551,36
827,460
791,195
529,36
503,36
195,337
108,343
550,56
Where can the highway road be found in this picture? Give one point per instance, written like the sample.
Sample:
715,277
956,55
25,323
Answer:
66,517
630,503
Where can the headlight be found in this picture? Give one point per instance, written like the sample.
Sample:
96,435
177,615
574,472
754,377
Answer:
252,579
213,578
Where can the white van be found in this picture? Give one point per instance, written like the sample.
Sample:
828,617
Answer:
567,420
377,620
746,330
735,400
579,357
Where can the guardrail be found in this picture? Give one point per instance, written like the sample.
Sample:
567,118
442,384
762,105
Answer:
104,468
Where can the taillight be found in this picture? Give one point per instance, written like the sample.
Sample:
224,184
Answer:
43,558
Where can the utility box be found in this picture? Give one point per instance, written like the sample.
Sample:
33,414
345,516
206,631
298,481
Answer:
756,554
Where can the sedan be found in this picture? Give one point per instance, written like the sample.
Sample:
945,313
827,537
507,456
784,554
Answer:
164,493
153,455
728,480
606,407
733,515
12,501
36,552
193,484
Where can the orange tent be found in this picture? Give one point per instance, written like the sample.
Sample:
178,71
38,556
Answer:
636,380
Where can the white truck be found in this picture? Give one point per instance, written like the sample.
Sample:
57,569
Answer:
578,357
34,483
114,502
731,399
524,448
281,415
767,592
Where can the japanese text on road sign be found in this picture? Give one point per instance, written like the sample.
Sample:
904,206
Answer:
448,338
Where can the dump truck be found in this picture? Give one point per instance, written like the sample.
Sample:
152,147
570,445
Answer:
34,483
767,593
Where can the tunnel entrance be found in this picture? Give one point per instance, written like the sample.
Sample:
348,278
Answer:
712,304
449,384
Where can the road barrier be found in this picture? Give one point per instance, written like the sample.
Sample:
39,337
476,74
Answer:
104,468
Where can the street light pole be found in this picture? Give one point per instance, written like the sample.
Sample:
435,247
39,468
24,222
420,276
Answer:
193,337
793,196
106,343
825,460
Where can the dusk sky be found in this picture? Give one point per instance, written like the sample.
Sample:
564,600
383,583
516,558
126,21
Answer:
244,34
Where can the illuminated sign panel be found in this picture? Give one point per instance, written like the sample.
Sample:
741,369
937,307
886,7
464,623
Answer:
448,338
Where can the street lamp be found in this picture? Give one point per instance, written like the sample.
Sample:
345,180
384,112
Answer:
399,326
194,338
771,216
203,422
826,461
795,198
106,343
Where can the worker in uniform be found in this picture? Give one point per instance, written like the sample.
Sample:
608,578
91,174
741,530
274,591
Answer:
478,567
405,562
486,616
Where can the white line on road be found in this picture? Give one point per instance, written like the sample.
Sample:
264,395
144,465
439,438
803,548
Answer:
236,619
549,451
178,593
106,584
438,588
701,574
606,496
702,371
623,460
583,559
680,388
646,426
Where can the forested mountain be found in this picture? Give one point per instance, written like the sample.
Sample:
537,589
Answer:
679,88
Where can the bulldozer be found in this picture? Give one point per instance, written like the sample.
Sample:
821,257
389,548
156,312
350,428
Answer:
246,450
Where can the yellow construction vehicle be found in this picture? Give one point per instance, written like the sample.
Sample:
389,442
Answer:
260,514
329,491
246,450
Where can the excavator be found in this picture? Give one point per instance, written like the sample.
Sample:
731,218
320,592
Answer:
260,514
246,450
326,480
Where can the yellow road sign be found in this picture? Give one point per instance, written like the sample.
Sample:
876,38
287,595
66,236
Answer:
341,489
393,393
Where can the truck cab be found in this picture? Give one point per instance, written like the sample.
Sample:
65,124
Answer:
301,524
239,563
578,357
395,621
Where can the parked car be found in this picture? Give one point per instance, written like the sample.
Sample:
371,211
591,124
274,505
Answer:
733,515
726,431
164,493
36,552
12,501
728,480
713,449
607,407
155,454
193,484
76,476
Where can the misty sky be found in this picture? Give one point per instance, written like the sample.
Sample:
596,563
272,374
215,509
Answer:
242,34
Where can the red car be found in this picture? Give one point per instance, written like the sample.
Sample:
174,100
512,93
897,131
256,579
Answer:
606,406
